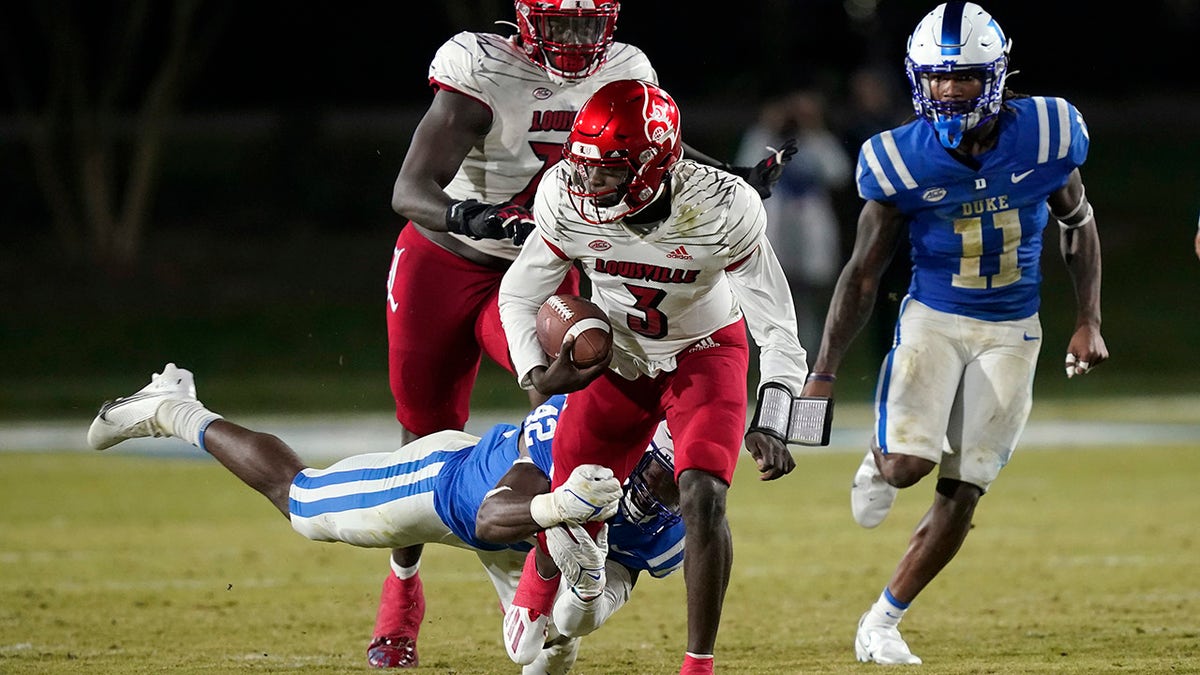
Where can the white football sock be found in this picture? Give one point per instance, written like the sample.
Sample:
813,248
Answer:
185,420
403,573
887,610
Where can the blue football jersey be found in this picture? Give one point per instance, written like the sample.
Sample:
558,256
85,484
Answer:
976,235
467,477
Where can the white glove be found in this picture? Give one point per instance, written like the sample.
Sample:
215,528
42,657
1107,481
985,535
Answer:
579,558
590,493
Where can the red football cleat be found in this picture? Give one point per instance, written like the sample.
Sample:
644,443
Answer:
401,610
392,652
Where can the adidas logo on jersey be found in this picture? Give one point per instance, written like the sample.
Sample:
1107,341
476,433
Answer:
680,254
706,343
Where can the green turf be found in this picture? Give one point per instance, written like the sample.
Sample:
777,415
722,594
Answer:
1080,562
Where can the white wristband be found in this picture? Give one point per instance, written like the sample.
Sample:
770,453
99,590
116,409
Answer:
543,510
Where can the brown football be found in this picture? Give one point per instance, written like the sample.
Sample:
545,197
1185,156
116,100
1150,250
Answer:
563,315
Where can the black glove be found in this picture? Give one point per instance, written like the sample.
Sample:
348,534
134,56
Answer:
764,175
489,221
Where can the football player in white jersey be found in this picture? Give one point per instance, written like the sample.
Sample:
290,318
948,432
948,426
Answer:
975,177
500,113
677,256
486,494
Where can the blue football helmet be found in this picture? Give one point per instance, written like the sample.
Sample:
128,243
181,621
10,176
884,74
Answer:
959,38
651,498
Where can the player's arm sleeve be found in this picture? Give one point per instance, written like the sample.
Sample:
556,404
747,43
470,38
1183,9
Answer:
533,277
575,617
765,297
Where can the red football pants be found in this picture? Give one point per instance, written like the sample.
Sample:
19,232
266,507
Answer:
611,421
442,315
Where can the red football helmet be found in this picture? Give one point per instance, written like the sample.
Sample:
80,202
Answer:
568,38
622,145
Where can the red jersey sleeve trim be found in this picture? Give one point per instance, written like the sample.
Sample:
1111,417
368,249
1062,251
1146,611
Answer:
556,250
442,86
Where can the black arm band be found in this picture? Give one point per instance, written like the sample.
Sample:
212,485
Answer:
773,413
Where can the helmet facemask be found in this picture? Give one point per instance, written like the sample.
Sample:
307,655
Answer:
607,190
651,497
568,39
951,119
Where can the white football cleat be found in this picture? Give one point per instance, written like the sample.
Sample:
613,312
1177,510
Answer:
556,658
133,416
524,633
882,644
871,497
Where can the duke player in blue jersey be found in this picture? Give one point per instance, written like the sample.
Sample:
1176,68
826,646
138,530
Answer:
976,177
434,489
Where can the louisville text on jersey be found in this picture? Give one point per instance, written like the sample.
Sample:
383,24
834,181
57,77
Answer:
646,272
552,120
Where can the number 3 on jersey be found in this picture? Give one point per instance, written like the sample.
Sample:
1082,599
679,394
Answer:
654,323
969,265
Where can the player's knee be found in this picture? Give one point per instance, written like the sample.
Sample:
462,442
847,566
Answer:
905,470
702,498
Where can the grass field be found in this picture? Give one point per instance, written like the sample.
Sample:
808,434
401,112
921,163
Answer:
1080,562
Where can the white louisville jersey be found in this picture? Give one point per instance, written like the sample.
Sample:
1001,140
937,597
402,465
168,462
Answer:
698,271
531,116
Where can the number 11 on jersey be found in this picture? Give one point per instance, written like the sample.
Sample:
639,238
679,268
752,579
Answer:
969,265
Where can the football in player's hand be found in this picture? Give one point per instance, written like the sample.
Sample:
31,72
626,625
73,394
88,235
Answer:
563,315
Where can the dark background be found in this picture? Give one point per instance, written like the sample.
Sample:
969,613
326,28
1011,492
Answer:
271,233
327,54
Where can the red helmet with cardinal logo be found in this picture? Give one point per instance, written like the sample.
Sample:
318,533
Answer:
621,148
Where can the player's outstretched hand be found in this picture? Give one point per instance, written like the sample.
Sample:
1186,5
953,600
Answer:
594,492
591,492
579,557
764,175
1085,351
563,376
478,220
771,454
